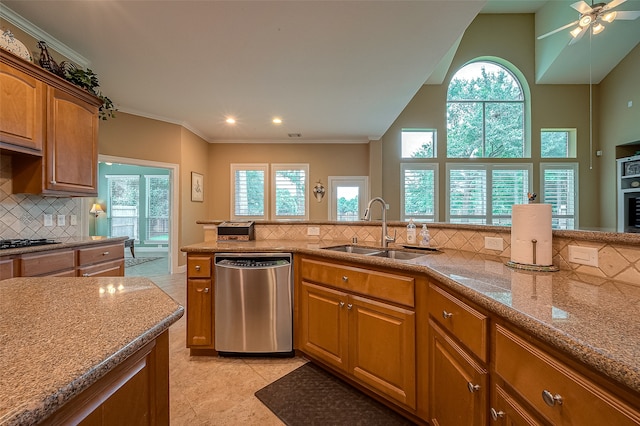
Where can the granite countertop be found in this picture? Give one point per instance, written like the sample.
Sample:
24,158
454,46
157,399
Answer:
64,242
592,319
60,335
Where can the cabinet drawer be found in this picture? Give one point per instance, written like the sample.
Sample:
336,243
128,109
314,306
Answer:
33,265
91,255
460,319
199,266
381,285
106,269
6,268
533,373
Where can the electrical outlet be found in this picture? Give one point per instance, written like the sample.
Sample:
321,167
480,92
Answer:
583,255
313,230
493,243
48,219
61,220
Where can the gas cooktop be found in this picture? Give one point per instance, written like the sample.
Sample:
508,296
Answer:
25,242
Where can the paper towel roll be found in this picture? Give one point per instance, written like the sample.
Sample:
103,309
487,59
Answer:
531,222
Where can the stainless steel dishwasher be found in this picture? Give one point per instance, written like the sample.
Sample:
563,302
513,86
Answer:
253,304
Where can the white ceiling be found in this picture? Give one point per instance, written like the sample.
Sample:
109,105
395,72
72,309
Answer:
334,71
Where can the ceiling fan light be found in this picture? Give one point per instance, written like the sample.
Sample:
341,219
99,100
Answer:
585,20
609,16
576,32
597,28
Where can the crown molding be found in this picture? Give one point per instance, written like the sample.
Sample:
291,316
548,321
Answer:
14,19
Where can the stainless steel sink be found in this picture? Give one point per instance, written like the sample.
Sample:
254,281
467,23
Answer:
355,249
399,254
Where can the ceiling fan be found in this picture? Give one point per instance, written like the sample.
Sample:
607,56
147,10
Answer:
592,16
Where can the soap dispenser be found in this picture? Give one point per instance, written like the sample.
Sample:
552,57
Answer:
411,232
425,238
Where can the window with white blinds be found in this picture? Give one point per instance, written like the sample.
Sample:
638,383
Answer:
485,193
248,183
419,195
289,191
560,189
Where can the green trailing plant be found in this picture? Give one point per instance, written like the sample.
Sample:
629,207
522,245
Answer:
88,80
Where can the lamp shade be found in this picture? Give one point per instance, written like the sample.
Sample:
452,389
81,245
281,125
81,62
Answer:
96,209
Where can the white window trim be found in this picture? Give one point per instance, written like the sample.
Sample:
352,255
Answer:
275,167
264,167
360,181
576,191
488,168
436,195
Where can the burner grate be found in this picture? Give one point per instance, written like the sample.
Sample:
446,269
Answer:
24,242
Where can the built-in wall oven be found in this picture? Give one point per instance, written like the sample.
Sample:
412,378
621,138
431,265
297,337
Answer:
253,304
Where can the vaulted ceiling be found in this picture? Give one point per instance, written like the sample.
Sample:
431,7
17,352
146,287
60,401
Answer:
334,71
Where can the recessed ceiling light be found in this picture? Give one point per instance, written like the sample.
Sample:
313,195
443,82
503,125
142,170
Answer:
230,120
277,120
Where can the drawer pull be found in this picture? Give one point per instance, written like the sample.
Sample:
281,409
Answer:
446,315
105,253
85,274
495,415
551,399
349,306
206,289
345,278
341,304
197,267
473,388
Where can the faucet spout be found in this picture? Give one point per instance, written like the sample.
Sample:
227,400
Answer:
385,239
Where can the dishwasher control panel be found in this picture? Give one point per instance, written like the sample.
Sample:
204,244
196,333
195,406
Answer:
252,263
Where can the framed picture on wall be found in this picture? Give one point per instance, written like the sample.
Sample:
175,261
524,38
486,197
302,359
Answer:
197,187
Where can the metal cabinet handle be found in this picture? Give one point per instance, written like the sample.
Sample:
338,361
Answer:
341,304
206,289
345,278
105,253
349,306
53,182
197,267
472,388
85,274
551,399
446,315
495,415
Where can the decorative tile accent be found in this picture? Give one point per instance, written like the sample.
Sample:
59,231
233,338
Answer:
22,216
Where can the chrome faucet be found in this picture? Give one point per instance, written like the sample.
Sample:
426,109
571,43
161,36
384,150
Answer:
386,239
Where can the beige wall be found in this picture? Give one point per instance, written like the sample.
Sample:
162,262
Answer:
551,106
619,125
324,160
194,159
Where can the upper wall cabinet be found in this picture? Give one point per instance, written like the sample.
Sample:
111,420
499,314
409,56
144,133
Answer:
51,129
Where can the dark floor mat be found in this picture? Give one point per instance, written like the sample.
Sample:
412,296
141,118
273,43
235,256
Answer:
311,396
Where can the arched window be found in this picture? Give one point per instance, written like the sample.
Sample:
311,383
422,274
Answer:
485,113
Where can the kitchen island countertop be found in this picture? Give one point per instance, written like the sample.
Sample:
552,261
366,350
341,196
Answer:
58,336
592,319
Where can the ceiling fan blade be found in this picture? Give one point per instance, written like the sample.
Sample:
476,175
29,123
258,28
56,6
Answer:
557,30
628,15
613,4
582,7
577,38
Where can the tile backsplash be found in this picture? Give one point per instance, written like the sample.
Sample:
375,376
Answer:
22,216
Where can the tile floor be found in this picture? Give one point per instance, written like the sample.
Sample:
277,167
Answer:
212,390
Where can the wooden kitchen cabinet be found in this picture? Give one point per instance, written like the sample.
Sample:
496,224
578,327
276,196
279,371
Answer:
200,327
371,341
7,268
51,126
22,111
557,392
101,261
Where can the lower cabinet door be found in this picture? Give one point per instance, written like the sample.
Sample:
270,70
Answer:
323,324
506,411
382,348
457,383
199,313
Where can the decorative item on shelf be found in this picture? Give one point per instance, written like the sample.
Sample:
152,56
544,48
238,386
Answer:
318,191
531,196
85,79
12,45
96,209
